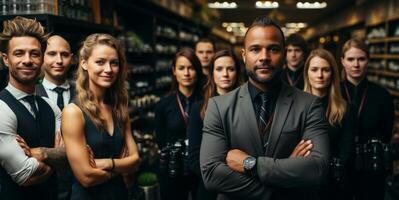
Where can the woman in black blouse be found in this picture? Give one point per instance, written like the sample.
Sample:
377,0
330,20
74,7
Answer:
225,75
322,79
374,117
171,121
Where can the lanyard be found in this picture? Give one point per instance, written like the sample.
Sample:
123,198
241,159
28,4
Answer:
361,102
184,114
293,83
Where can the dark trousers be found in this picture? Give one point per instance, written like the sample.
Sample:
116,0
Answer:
178,188
368,185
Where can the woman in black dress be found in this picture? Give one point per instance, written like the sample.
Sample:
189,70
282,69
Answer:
224,76
96,128
171,121
322,78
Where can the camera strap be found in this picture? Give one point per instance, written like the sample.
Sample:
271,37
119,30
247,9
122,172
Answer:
183,113
362,100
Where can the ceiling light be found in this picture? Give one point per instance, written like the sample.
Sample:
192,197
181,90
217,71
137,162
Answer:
307,5
296,25
237,28
224,5
266,4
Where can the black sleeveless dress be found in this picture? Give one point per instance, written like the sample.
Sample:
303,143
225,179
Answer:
103,146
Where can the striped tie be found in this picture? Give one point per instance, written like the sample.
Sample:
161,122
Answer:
263,115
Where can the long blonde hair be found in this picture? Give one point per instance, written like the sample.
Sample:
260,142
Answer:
337,105
116,96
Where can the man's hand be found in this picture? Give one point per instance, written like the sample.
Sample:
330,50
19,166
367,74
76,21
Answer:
235,160
24,146
58,141
39,154
302,149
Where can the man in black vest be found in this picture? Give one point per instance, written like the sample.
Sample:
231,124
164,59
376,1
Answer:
56,64
28,159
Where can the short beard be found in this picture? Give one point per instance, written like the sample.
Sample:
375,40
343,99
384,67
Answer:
254,77
25,81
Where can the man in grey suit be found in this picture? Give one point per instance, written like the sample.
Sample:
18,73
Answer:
250,136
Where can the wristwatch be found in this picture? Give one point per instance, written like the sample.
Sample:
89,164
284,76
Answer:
250,165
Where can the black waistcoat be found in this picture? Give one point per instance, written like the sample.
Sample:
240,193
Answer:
38,132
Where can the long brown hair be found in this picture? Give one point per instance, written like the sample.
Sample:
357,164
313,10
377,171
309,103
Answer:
337,105
116,96
195,62
210,86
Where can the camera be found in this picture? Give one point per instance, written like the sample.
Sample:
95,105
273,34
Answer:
174,159
373,156
336,170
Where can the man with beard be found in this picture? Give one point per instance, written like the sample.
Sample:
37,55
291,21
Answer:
251,135
296,56
29,125
56,64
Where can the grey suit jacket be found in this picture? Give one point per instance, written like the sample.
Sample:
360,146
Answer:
230,123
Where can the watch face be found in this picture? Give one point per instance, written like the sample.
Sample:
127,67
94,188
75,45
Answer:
249,163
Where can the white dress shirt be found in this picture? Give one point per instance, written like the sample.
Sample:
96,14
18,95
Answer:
49,87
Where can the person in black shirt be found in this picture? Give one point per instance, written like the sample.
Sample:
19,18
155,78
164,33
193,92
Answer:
296,52
374,116
321,78
224,76
171,120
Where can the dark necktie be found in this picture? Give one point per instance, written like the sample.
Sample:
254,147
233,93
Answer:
187,107
263,114
60,98
31,100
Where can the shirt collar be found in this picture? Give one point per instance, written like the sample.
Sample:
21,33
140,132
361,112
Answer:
361,85
17,93
295,73
50,85
183,98
273,92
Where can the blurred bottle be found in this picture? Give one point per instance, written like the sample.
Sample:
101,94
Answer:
28,7
4,7
14,7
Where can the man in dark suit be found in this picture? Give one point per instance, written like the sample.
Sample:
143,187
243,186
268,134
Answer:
250,133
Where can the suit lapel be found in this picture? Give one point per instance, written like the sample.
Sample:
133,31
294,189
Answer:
249,124
283,106
40,91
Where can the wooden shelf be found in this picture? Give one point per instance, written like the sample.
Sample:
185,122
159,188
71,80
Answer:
394,92
392,39
384,56
382,40
384,73
376,40
396,113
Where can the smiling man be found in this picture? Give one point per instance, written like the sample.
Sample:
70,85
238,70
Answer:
30,144
250,134
57,62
